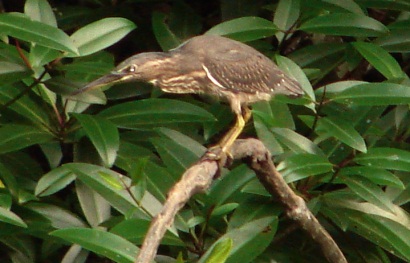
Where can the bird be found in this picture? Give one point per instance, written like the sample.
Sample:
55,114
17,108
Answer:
213,65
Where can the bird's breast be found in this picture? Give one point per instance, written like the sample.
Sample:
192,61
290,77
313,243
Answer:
181,83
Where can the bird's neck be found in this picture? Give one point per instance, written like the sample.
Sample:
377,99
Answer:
161,65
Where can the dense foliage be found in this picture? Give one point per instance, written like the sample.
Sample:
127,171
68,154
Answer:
81,176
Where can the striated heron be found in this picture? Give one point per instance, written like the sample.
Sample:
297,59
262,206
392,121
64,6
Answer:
212,65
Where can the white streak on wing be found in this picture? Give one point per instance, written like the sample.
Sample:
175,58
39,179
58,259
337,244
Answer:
214,81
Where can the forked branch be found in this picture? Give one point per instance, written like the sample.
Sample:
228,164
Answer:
198,178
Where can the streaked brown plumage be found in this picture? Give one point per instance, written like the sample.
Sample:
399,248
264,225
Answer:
212,65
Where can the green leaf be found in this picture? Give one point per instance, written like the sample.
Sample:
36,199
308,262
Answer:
106,183
383,232
59,217
299,166
296,142
177,151
253,208
220,251
66,87
27,106
345,24
265,135
21,27
184,20
228,185
400,5
223,210
397,41
337,87
380,59
368,191
54,181
374,94
293,70
148,113
134,230
254,187
319,55
385,158
40,55
343,131
116,189
165,37
376,175
101,34
40,10
244,29
11,218
11,72
342,6
274,114
104,136
15,137
286,14
94,207
253,236
100,242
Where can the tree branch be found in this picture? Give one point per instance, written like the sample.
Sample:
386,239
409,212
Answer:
199,177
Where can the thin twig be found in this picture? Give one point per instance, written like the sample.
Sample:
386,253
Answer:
22,93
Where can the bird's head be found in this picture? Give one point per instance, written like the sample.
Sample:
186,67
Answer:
141,67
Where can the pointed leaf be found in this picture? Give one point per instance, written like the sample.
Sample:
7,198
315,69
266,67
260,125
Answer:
100,242
9,217
376,175
286,14
380,59
220,251
148,113
385,158
248,237
101,34
165,37
296,142
104,136
40,10
228,185
21,27
383,232
26,106
299,166
397,41
345,5
57,216
343,131
368,191
374,94
177,150
107,183
16,137
54,181
95,208
244,28
11,72
345,24
293,70
135,229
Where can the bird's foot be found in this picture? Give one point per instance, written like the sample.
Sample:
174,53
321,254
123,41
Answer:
219,154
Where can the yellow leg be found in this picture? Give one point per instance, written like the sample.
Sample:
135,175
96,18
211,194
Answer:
235,131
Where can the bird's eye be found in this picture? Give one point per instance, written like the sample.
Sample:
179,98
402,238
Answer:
132,69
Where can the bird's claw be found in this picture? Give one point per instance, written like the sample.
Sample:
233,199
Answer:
218,154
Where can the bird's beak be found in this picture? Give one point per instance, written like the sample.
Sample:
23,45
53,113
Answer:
113,77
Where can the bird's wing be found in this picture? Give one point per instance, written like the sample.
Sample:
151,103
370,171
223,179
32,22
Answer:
246,70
